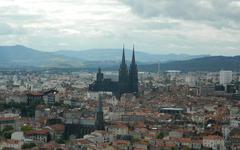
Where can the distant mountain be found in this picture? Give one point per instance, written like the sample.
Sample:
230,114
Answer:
20,56
214,63
116,54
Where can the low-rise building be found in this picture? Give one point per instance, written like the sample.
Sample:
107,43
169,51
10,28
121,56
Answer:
7,121
214,141
118,129
122,144
38,135
56,131
11,144
233,139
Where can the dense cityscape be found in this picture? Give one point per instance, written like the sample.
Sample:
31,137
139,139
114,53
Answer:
119,75
95,110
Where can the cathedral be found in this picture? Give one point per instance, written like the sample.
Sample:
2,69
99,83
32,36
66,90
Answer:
127,79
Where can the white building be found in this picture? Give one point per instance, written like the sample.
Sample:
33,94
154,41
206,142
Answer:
100,137
118,129
19,136
173,74
225,77
191,79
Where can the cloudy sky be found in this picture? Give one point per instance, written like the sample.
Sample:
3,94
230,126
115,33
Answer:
155,26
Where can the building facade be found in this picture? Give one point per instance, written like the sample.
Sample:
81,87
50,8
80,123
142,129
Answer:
225,77
127,79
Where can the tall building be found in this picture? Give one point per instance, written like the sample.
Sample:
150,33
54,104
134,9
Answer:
123,77
133,75
99,124
225,77
191,79
127,79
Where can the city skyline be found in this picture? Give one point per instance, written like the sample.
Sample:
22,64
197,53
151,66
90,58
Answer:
120,74
195,27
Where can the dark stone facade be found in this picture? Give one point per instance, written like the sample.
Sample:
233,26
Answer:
77,130
127,79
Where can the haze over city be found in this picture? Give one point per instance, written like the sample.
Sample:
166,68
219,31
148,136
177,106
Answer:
155,26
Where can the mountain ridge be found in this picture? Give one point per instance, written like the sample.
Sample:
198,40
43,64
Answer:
110,54
213,63
21,56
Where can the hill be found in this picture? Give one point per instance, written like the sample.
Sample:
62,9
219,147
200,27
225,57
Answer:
20,56
116,55
214,63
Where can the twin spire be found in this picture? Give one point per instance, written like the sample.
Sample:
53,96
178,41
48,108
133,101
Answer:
133,56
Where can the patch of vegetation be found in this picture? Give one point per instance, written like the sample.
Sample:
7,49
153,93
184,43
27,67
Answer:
26,128
7,131
28,145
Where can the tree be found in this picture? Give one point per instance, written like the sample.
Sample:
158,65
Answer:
186,148
7,131
60,141
7,135
160,135
7,128
26,128
28,145
135,139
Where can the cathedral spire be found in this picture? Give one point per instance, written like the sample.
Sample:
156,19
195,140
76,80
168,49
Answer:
99,70
133,74
133,55
123,74
123,56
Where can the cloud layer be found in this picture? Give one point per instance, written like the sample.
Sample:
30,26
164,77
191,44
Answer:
157,26
206,10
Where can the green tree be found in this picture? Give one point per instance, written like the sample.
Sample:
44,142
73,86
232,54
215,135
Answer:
26,128
28,145
160,135
7,131
135,139
60,141
186,148
7,135
7,128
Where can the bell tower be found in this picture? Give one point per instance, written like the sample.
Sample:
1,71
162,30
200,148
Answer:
133,74
123,75
99,124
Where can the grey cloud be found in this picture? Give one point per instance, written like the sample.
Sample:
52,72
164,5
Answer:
198,10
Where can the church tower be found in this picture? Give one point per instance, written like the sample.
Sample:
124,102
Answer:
99,81
99,124
123,75
133,75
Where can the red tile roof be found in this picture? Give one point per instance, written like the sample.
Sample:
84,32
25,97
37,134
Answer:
7,118
40,132
57,127
120,142
212,137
